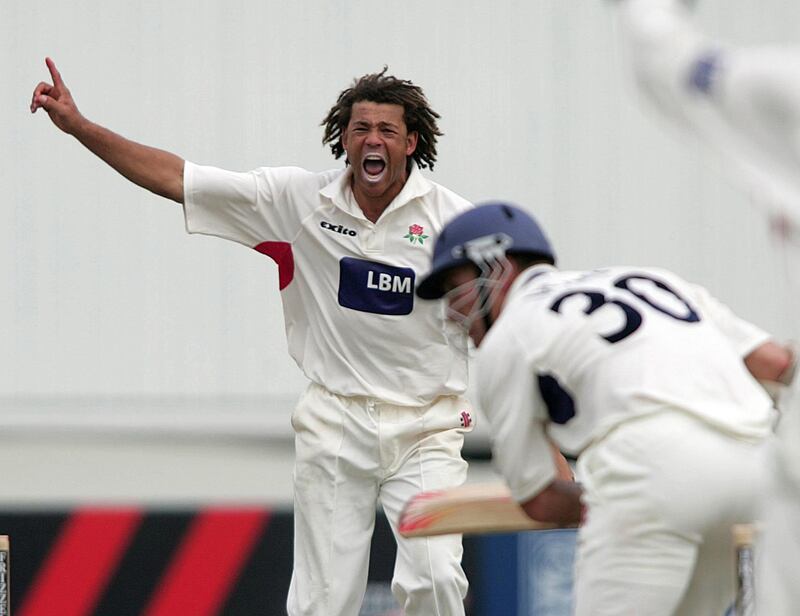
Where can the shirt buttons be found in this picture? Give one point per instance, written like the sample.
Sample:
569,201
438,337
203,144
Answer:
372,240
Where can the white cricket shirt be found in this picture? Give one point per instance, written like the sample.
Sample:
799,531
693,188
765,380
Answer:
575,354
353,324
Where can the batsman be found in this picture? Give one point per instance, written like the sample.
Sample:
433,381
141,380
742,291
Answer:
647,379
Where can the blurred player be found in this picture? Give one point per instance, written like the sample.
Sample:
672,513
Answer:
384,417
645,377
744,102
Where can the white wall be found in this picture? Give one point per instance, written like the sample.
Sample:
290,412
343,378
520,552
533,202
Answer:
104,297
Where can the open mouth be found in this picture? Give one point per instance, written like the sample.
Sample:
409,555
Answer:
374,165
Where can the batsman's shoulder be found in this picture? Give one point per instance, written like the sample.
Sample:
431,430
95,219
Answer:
502,340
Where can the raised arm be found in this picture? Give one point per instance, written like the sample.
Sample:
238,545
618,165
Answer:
156,170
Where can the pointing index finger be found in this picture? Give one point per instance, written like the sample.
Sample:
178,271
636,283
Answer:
51,66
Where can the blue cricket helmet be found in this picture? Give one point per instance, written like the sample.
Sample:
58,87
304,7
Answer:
484,232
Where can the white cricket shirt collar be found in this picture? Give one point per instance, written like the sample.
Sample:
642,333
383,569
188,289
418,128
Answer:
341,195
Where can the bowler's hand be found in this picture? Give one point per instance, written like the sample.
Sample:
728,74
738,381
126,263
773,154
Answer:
57,101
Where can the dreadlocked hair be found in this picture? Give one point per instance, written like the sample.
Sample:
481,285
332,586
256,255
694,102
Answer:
383,88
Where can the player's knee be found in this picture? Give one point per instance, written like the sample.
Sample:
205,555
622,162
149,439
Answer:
435,583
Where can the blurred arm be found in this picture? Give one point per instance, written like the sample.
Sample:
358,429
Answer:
559,502
771,362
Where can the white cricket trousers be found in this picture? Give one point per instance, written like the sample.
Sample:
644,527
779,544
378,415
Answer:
662,494
778,545
349,453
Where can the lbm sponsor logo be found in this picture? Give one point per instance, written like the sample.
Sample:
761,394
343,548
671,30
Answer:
389,282
374,287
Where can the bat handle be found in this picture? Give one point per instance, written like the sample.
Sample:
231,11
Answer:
743,539
5,576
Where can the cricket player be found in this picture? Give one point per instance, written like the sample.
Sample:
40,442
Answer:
745,103
384,416
643,376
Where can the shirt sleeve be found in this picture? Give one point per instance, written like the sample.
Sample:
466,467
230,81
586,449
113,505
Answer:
510,400
246,207
743,335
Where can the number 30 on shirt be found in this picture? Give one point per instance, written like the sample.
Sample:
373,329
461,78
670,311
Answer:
631,307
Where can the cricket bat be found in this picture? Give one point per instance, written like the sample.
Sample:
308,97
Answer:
469,509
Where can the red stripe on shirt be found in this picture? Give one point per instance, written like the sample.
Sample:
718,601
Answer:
281,253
